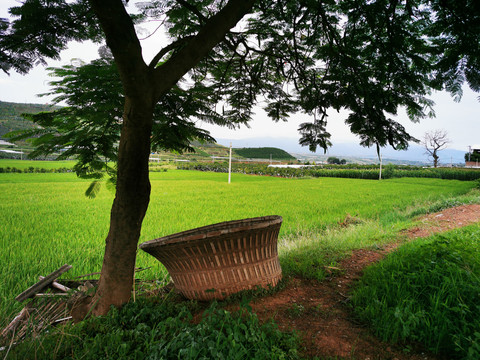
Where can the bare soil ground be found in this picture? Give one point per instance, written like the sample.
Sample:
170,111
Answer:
319,310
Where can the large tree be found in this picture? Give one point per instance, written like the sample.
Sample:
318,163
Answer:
369,57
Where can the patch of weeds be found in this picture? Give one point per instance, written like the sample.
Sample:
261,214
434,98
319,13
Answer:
296,310
305,263
477,184
163,329
427,292
318,311
314,255
350,221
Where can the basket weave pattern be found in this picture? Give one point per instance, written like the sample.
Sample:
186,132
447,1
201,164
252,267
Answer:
215,261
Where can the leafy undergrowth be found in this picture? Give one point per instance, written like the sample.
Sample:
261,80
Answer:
153,329
427,292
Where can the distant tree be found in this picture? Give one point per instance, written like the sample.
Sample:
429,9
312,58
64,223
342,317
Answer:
336,161
472,156
264,153
434,141
333,160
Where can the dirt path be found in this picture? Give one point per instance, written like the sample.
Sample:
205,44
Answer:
319,311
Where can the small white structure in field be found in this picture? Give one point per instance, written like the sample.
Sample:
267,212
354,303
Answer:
6,143
291,166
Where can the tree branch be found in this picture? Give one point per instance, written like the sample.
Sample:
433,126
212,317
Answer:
123,42
168,48
198,47
194,10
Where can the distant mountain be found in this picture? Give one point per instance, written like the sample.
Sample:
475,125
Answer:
11,119
264,153
415,154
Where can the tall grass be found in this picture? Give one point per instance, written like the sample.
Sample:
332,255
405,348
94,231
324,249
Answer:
311,254
429,292
46,221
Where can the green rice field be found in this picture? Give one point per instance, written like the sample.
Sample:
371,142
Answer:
46,220
25,164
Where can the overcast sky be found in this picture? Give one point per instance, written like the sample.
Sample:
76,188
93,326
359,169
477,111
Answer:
459,120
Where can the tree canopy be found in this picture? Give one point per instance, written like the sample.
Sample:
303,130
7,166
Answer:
367,57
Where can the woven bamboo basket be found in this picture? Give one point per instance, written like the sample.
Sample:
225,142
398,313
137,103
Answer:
214,261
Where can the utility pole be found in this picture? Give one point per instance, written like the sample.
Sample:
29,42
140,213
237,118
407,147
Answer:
230,164
380,173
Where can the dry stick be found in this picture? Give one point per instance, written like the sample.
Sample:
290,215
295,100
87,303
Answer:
34,289
14,323
57,285
63,319
50,294
98,273
58,312
11,343
41,314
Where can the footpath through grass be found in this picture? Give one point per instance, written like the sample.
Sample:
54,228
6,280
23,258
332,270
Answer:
428,291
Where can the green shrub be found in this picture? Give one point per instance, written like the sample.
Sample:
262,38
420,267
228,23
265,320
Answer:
427,292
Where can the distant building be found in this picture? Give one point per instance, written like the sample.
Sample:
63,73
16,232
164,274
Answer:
472,159
291,166
6,143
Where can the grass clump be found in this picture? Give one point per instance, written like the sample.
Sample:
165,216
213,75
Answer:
472,197
428,292
311,255
148,329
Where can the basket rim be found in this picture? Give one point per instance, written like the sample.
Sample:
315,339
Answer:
213,230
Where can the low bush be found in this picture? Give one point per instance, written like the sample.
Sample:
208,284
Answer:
351,171
427,292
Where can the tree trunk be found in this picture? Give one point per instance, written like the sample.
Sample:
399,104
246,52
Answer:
129,208
435,159
143,87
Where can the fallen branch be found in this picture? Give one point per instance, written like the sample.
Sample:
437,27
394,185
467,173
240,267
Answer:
57,285
36,288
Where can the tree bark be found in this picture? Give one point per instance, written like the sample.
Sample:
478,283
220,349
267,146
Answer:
435,158
128,210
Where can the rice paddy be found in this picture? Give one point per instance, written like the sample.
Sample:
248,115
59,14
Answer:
46,220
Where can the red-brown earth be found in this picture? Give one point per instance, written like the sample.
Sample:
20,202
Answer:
319,311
